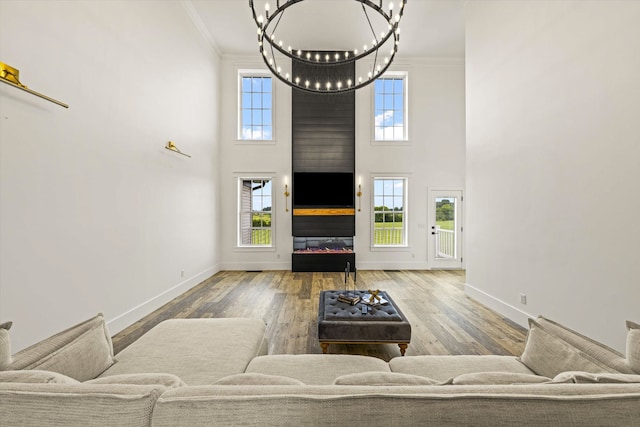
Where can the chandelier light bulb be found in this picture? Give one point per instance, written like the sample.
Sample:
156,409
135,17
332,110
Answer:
337,56
346,54
339,85
390,6
308,55
326,58
306,83
369,74
359,80
266,7
328,85
297,80
260,20
317,85
279,69
286,76
317,57
349,82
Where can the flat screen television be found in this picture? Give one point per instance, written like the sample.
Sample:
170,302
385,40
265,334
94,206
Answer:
323,190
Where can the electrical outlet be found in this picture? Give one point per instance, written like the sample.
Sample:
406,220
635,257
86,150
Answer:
523,299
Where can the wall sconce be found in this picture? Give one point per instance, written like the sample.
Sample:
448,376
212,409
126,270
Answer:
359,194
286,197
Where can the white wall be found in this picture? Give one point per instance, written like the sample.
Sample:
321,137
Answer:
552,161
95,215
433,158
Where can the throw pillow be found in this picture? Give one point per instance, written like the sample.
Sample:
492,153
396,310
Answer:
384,379
485,378
548,355
167,380
31,357
5,345
84,358
602,354
35,376
633,346
257,379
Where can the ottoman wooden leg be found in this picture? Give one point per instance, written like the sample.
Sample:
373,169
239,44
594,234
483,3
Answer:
325,347
403,348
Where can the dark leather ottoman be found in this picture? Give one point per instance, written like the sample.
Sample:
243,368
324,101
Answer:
342,323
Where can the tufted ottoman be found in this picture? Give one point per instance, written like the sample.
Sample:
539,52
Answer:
342,323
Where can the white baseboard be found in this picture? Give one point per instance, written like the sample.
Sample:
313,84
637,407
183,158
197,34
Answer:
496,304
129,317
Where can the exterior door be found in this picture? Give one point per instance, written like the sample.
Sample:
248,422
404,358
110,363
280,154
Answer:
445,229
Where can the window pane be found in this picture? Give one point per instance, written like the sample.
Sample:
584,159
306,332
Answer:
255,219
246,84
389,217
256,109
398,85
256,117
256,100
389,107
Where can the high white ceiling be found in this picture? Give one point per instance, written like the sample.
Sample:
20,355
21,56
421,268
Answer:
429,28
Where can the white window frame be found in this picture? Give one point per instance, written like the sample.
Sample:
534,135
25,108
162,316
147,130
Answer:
404,75
405,213
255,73
240,211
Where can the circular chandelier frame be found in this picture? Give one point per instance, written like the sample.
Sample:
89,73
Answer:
266,26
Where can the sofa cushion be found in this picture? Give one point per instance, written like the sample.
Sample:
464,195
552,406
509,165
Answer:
442,368
5,345
602,354
199,351
548,355
81,352
383,379
87,405
579,377
633,346
489,378
167,380
257,379
35,376
315,368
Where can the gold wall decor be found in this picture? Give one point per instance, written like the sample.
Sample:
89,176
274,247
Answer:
11,76
171,146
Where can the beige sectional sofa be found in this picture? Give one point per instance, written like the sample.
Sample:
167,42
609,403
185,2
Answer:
210,372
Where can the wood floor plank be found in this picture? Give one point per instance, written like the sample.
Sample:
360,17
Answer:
443,319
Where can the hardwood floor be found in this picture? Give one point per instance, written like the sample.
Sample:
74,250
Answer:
443,319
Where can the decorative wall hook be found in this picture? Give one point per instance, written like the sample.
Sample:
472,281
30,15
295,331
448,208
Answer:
359,194
171,146
11,76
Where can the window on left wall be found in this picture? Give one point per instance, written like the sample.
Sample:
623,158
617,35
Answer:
255,219
256,106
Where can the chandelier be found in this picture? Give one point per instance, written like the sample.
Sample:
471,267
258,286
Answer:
320,71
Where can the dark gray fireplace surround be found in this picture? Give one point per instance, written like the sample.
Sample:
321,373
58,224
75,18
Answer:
323,140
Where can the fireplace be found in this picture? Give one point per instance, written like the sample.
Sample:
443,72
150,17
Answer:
322,245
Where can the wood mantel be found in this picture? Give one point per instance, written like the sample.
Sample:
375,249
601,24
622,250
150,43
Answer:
324,212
